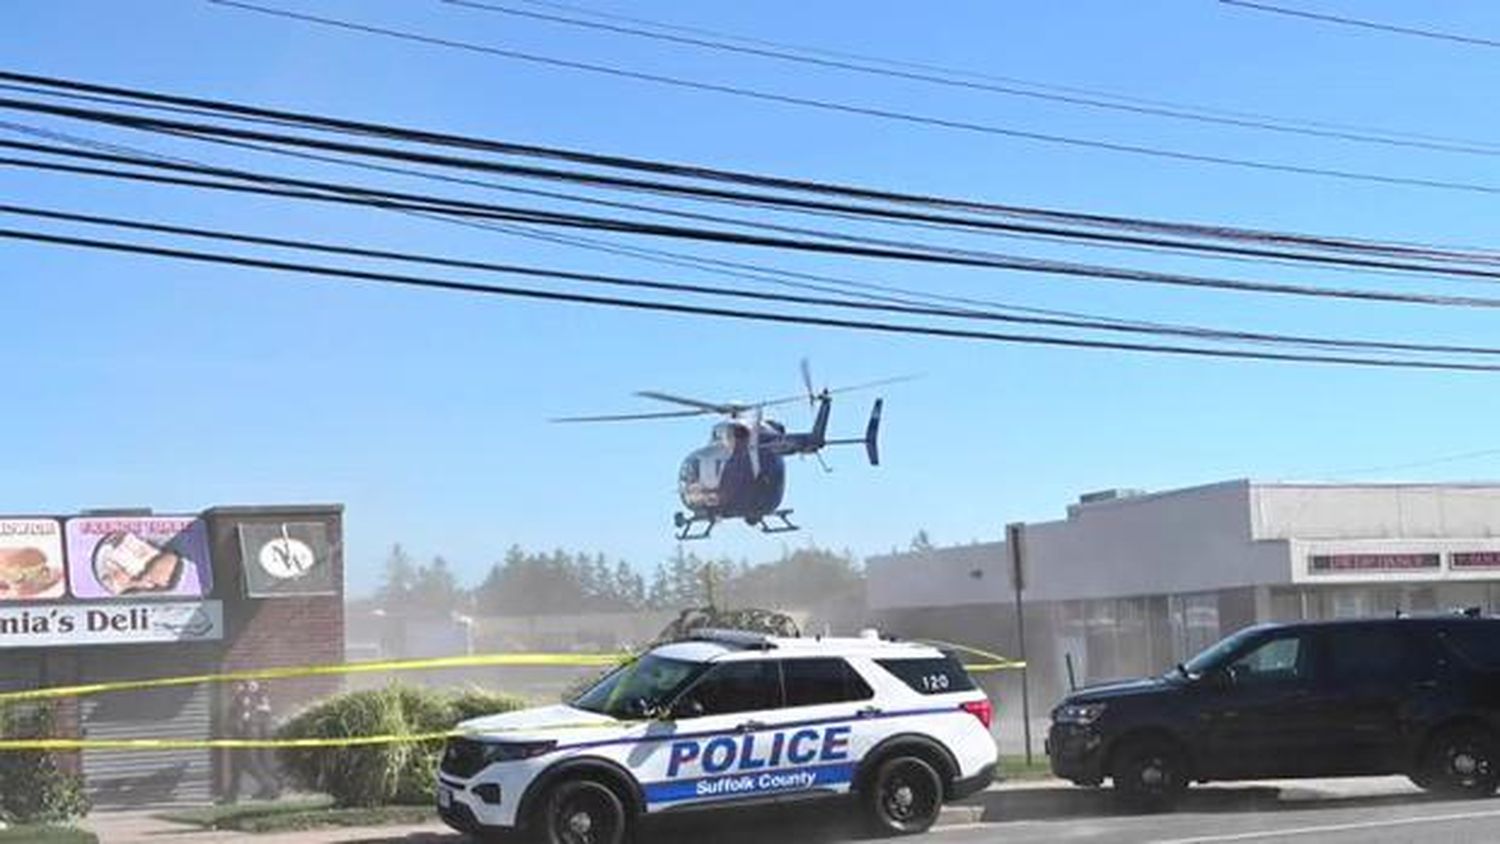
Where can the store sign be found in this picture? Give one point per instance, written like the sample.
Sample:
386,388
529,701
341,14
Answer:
113,623
1347,563
31,560
286,559
1476,560
138,557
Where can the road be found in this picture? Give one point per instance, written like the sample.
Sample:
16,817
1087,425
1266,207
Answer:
1257,815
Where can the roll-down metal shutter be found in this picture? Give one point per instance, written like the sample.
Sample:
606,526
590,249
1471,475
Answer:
136,779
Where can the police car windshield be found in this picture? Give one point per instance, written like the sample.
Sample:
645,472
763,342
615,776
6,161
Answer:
641,688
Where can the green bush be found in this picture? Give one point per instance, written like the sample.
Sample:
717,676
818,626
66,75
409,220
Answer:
33,789
371,775
476,703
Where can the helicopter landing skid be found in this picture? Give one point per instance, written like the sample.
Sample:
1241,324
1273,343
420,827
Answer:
785,525
685,524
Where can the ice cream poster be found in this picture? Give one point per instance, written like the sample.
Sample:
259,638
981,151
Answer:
138,557
31,560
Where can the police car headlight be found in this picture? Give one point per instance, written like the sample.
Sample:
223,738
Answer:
1078,713
511,751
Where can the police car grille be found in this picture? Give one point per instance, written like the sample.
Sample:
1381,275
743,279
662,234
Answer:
463,757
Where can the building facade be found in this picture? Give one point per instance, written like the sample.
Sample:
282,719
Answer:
114,596
1131,583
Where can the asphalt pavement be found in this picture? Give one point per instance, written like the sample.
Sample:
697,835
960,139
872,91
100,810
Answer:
1382,810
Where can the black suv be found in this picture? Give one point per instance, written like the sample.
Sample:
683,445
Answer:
1414,696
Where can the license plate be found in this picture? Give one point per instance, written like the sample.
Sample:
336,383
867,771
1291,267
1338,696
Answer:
444,797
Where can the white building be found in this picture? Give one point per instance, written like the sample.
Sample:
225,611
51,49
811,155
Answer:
1131,583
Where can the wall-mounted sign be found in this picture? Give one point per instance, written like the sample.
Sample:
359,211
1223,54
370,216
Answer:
31,559
62,625
138,557
286,558
1347,563
1476,559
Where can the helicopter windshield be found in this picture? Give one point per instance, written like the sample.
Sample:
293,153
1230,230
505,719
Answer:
688,474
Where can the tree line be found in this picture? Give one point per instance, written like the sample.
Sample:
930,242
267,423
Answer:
558,582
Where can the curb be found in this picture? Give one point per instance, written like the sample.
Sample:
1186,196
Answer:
1050,800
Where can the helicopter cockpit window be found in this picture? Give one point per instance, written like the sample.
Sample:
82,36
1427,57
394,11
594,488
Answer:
689,471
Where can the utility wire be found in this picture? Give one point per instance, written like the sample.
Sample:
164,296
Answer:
800,205
1365,24
873,111
987,87
260,114
700,310
635,282
962,73
321,191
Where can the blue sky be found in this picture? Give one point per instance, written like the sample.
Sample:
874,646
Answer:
133,381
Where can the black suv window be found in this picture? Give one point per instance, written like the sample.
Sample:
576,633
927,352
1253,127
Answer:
809,682
1282,659
1370,654
733,687
1477,643
930,676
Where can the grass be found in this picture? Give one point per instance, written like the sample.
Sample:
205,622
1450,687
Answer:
1013,768
293,815
47,835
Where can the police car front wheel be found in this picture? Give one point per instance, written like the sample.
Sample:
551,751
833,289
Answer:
583,812
904,797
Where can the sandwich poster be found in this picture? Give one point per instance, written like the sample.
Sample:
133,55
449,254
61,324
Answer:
138,557
31,560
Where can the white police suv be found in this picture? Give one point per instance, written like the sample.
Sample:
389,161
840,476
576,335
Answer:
728,718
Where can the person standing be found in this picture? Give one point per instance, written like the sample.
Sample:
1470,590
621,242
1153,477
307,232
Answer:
250,718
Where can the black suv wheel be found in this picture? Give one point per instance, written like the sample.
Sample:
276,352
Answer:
1463,761
583,812
1150,774
904,797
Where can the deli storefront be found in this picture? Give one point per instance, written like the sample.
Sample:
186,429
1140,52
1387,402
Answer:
128,595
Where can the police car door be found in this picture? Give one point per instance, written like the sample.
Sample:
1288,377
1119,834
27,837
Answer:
714,746
828,724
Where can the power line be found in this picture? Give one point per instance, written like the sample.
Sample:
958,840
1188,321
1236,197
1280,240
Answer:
700,310
872,111
800,205
1365,24
964,73
635,282
325,192
1216,231
986,87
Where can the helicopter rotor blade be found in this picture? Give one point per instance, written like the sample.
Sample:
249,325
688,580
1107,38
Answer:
632,417
807,382
755,442
822,462
777,402
702,406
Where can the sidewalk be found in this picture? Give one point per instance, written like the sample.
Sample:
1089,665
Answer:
1052,798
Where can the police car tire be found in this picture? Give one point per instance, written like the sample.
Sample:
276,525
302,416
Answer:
904,797
582,811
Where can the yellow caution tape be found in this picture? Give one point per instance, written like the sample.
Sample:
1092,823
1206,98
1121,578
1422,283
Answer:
996,661
69,744
471,661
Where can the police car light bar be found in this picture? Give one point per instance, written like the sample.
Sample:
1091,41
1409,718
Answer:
737,638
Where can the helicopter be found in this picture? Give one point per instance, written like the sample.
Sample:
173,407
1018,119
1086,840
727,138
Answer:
741,473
